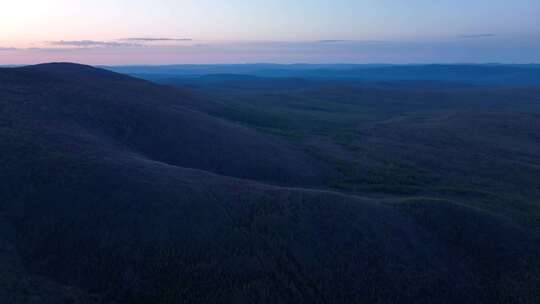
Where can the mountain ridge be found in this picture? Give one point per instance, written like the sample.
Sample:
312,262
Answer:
122,191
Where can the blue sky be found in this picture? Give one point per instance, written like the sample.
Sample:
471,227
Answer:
318,31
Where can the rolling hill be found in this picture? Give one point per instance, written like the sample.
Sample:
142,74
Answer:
118,190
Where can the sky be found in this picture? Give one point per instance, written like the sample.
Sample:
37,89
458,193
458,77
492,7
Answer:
123,32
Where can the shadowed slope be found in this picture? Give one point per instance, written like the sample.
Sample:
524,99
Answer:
150,120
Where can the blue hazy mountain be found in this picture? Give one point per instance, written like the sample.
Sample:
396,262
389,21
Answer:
482,74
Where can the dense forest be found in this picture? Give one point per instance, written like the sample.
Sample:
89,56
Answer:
270,184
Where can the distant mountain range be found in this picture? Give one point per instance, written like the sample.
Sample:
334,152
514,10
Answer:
480,74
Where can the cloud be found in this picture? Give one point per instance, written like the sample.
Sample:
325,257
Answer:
477,36
457,50
90,43
5,49
120,43
149,39
332,41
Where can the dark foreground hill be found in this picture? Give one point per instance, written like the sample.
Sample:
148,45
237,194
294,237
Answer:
65,100
116,190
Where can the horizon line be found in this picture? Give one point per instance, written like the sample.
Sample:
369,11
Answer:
274,63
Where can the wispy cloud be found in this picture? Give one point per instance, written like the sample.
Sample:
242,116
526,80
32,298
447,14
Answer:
332,41
487,35
90,43
523,50
120,43
5,49
151,39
